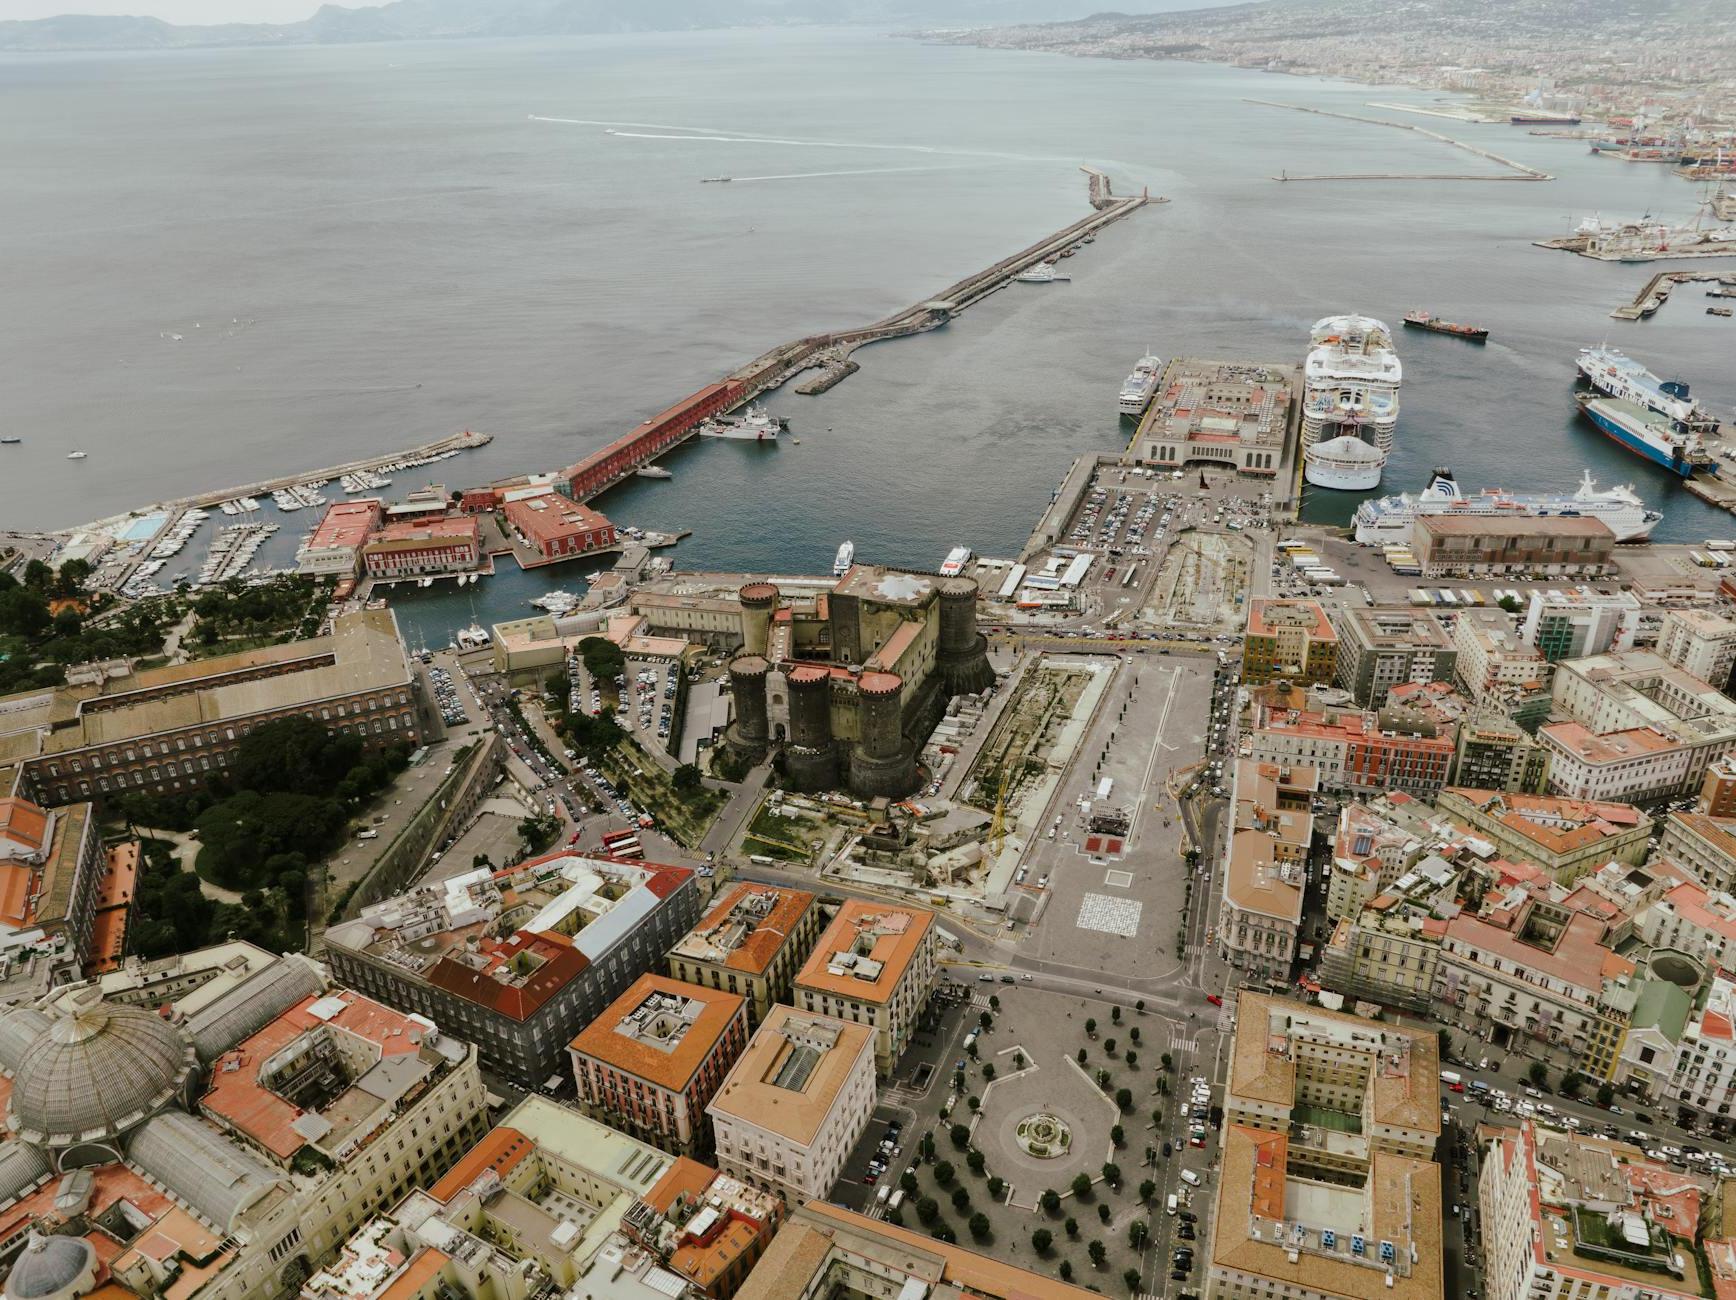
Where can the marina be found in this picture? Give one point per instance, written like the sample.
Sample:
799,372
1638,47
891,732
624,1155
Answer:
1649,300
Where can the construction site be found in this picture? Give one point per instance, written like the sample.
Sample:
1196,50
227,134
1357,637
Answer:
1203,584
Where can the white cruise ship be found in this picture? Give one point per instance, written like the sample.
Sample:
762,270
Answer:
1345,464
1138,388
844,559
1349,390
1388,520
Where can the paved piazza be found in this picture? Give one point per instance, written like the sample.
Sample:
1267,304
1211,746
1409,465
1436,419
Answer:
1050,1086
1110,915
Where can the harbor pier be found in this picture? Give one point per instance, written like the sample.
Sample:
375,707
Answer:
828,355
1520,171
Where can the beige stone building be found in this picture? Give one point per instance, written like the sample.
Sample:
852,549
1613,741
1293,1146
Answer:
875,965
792,1107
752,941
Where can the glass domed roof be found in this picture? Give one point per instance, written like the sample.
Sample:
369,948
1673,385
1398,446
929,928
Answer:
98,1071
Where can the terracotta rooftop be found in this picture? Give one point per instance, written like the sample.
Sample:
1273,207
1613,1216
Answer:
797,1108
865,931
500,1149
661,1030
239,1100
1269,616
721,939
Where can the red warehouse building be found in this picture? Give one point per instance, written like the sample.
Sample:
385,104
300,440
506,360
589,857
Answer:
559,527
603,467
420,546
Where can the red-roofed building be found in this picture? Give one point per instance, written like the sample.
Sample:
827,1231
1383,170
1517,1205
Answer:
557,526
421,546
1288,640
1353,750
335,548
519,960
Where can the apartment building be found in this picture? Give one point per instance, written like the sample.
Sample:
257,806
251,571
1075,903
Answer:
1704,846
1634,764
1689,919
874,965
1496,753
1718,790
1494,664
1320,1208
1568,838
53,872
652,1061
521,959
1265,872
1385,646
792,1107
1581,622
1355,751
552,1200
1703,1073
1659,727
826,1251
752,941
1566,1217
113,729
1700,642
1289,640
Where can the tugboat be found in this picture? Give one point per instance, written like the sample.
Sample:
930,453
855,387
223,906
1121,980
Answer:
1423,320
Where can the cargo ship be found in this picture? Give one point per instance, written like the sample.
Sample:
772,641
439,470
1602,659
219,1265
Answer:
1646,433
1545,119
1615,374
1138,387
1423,320
1388,520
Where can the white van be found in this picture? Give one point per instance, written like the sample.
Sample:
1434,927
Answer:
1449,1077
1169,1207
1189,1177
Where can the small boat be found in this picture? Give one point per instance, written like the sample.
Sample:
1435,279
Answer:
652,471
11,441
1720,311
1423,320
76,455
715,180
1041,273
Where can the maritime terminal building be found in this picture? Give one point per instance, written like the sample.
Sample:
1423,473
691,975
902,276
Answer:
846,680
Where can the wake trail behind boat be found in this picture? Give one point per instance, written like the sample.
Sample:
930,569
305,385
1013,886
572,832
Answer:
703,134
857,171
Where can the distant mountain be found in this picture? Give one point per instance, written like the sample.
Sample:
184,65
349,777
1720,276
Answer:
428,19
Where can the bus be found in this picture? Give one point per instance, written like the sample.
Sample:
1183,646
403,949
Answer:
622,844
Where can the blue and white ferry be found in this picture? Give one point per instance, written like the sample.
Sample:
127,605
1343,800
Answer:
1648,433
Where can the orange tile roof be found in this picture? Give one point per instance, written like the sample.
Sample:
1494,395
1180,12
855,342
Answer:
761,944
108,941
897,933
420,1271
17,885
236,1097
23,821
686,1177
121,876
604,1041
1319,626
500,1149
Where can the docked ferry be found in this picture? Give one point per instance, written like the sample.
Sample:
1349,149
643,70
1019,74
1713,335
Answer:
1615,374
1388,520
956,559
1649,434
844,559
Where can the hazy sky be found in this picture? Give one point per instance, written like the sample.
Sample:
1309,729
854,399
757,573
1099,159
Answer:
174,11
